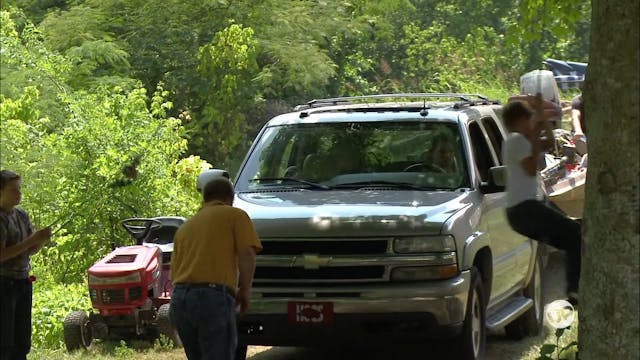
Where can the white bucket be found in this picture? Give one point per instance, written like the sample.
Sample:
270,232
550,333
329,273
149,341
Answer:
541,81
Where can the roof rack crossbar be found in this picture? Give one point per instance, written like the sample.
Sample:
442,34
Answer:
464,97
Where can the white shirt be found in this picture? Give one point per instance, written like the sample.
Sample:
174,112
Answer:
520,185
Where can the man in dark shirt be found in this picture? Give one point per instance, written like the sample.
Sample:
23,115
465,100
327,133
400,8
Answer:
18,242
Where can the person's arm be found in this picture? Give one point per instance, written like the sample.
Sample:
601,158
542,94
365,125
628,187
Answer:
247,246
576,116
246,268
549,109
35,241
542,124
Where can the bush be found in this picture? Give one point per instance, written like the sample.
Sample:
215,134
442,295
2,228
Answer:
51,303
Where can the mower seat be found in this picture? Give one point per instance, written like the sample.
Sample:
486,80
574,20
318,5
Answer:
164,235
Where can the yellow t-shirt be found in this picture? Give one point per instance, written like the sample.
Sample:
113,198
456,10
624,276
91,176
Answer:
206,246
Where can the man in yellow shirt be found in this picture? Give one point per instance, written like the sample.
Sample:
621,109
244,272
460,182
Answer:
212,270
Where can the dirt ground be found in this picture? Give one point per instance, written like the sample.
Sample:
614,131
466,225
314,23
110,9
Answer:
499,347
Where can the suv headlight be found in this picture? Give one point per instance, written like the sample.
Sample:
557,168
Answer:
424,244
130,278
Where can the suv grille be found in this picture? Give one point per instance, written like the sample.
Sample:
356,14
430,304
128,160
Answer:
333,260
344,247
323,273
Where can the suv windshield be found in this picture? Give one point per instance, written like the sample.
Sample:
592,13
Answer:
321,156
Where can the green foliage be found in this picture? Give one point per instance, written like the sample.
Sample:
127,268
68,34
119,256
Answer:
117,154
163,343
557,351
302,50
437,63
51,303
556,29
109,132
123,352
26,63
228,64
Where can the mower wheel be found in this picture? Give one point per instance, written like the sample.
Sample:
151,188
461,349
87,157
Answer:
165,326
77,331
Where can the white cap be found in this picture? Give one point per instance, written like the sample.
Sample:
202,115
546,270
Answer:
209,175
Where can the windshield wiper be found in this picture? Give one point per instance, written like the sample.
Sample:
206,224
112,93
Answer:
290,179
382,183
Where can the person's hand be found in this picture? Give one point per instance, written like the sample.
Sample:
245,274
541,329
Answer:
43,234
39,238
538,105
578,136
242,299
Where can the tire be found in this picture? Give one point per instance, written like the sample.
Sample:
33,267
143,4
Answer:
241,352
530,323
77,331
472,341
166,328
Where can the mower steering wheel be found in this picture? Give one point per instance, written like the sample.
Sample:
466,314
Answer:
140,228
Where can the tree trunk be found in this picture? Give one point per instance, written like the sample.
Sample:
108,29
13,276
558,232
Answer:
609,290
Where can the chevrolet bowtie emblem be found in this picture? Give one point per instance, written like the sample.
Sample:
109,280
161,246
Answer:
312,261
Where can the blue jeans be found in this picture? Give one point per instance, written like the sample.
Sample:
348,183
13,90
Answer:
15,318
206,322
539,221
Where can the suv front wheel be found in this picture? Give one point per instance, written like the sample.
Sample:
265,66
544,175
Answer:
471,343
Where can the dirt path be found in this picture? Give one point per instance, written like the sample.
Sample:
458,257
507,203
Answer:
499,347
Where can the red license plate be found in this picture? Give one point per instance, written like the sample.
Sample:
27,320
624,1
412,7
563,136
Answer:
310,313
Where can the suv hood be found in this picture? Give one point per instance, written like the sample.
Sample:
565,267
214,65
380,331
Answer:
300,212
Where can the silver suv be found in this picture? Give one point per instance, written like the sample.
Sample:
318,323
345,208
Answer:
381,218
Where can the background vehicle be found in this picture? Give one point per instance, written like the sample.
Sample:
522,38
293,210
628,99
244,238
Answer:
129,288
568,74
367,233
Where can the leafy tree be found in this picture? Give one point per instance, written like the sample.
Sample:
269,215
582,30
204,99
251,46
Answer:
228,65
25,63
116,155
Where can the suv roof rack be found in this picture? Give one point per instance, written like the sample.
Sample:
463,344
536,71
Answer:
465,99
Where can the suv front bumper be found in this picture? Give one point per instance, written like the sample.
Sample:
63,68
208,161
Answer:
433,308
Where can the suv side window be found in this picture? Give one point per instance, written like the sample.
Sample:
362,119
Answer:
495,136
481,151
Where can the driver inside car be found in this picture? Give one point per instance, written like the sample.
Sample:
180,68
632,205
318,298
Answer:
441,155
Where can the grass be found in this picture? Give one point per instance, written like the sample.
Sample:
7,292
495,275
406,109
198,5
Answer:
160,350
499,348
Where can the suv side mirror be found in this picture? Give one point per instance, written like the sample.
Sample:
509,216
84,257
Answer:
498,176
209,175
497,180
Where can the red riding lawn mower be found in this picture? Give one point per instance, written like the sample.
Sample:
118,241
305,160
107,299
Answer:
130,289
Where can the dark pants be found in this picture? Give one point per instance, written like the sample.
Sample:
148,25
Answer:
539,221
206,322
15,318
